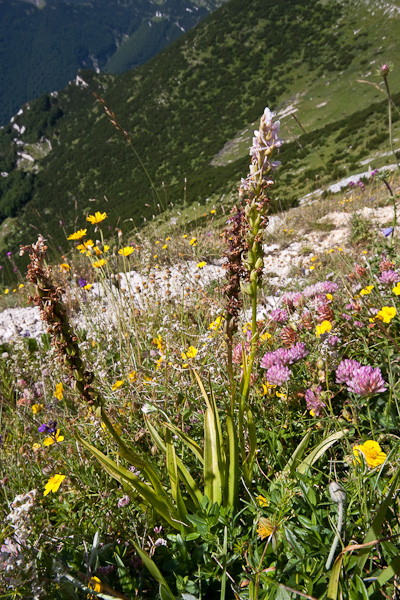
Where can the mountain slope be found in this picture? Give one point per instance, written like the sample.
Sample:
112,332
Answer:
43,45
181,109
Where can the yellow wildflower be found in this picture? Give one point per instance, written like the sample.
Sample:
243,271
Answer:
98,217
201,264
87,286
59,391
329,296
117,384
324,327
132,376
262,501
21,285
264,528
213,212
36,408
95,585
165,247
125,251
77,235
366,290
215,325
396,290
85,246
193,242
36,447
6,291
386,314
190,353
99,263
55,438
372,453
53,484
158,341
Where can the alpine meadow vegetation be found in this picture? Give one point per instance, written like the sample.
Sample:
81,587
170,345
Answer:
187,427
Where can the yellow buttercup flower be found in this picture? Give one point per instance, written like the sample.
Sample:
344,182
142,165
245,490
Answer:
125,251
386,314
77,235
51,440
53,484
372,453
59,391
324,327
98,217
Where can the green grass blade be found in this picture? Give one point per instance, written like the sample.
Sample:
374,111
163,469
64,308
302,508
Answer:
252,438
191,444
232,469
333,586
386,575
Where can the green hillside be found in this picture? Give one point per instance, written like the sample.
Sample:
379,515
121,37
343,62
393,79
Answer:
44,44
190,114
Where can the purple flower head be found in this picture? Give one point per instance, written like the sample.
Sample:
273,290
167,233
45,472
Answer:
361,185
278,374
107,570
279,357
279,315
367,381
387,231
50,428
81,282
389,277
351,184
322,287
358,324
374,172
334,341
9,254
123,501
345,370
297,352
314,401
385,69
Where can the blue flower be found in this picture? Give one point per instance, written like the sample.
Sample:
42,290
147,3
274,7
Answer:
387,231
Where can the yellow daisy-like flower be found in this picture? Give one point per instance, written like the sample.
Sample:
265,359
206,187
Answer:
190,353
372,453
264,528
262,501
164,247
125,251
212,212
396,289
53,484
117,384
6,291
386,314
201,264
324,327
85,246
193,242
56,438
59,391
78,235
99,263
21,285
98,217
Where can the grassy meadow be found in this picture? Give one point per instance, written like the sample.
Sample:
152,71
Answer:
193,425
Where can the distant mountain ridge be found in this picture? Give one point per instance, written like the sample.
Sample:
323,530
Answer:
43,44
191,111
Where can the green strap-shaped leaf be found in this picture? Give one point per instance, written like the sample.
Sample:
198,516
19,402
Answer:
155,572
212,473
162,504
297,454
252,438
191,444
320,450
386,575
375,529
172,469
186,477
232,468
333,586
